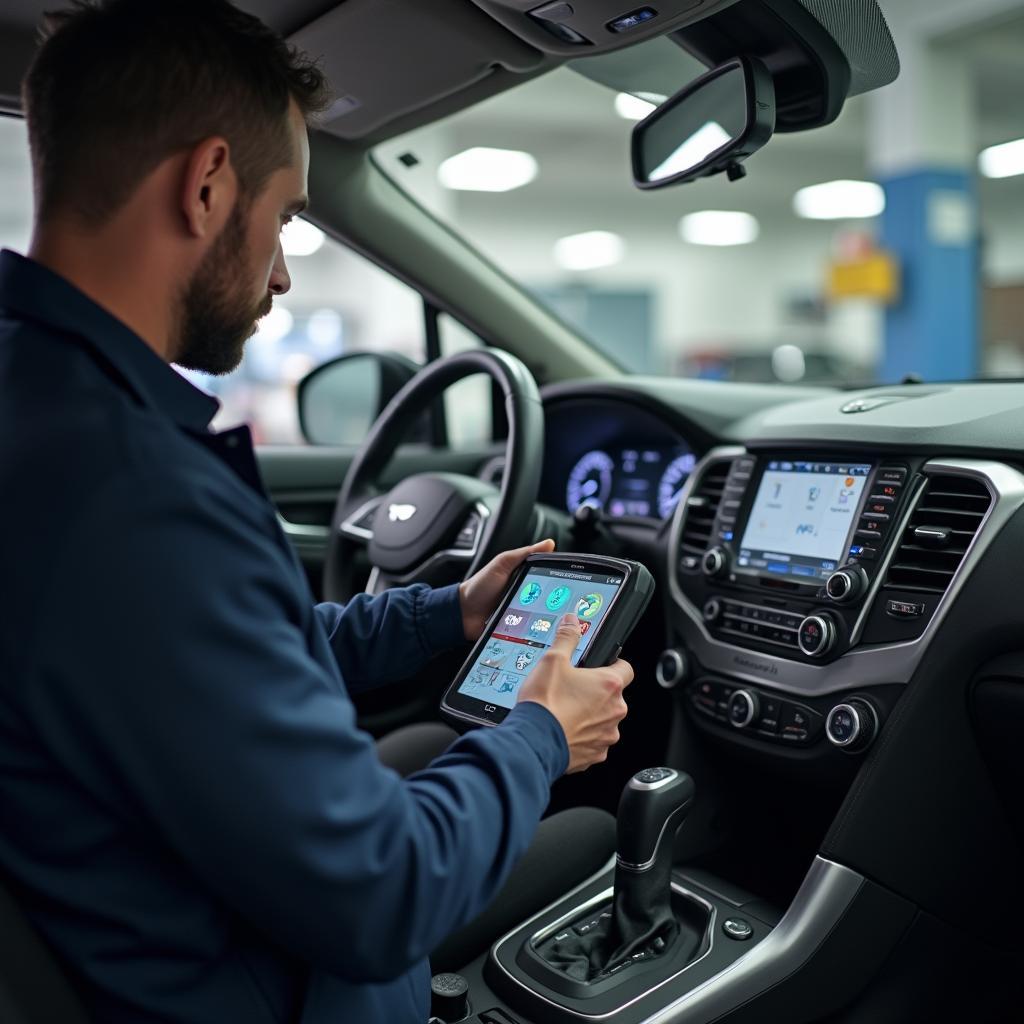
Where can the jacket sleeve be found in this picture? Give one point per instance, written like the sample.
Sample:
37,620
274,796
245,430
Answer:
379,639
181,687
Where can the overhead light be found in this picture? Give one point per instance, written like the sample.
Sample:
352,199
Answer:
692,151
1004,160
482,169
300,238
589,250
636,106
719,227
789,364
840,200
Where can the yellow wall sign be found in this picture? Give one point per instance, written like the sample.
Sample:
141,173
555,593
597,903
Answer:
874,276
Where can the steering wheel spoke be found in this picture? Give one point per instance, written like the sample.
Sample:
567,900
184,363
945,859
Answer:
358,526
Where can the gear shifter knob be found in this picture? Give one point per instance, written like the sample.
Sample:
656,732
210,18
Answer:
653,805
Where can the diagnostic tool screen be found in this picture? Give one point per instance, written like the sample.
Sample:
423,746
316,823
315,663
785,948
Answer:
801,520
526,627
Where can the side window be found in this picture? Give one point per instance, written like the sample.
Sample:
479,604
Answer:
467,404
339,303
15,185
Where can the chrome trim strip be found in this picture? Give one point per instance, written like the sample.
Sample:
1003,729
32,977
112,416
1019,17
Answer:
826,892
578,911
889,663
349,528
300,531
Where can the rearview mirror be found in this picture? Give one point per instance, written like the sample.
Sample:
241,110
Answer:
339,401
708,127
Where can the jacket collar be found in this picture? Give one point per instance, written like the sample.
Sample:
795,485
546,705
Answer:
34,292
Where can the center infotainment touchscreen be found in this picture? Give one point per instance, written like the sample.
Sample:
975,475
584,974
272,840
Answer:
802,518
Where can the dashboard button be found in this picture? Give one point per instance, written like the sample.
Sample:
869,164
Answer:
890,490
878,517
797,723
768,720
712,609
874,527
738,929
891,475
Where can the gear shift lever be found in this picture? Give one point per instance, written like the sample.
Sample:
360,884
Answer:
651,808
642,921
653,805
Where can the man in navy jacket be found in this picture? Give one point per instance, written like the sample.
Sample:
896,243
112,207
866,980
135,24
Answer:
187,809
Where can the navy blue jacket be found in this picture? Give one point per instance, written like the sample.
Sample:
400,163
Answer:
187,809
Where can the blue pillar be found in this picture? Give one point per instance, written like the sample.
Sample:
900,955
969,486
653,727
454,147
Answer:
930,225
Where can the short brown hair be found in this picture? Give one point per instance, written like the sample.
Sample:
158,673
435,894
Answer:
117,86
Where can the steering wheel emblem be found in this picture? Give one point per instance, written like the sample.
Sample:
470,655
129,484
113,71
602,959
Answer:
401,513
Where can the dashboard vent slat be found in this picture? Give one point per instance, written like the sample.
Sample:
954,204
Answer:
954,507
701,508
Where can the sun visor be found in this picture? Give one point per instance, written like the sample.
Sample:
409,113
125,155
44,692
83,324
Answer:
389,58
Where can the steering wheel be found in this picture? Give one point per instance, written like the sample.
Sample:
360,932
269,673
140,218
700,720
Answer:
437,528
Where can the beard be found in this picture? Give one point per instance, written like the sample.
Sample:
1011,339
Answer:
217,314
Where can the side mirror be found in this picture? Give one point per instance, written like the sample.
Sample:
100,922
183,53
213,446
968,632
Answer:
708,127
339,400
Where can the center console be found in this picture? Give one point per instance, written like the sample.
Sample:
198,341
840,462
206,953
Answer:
806,586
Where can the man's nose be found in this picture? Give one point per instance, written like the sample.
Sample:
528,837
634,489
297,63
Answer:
280,280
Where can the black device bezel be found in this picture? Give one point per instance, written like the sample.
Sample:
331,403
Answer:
468,710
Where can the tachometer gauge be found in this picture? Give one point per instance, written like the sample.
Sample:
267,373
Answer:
673,480
590,479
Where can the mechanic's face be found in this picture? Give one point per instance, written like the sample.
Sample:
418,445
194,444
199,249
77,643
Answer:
243,269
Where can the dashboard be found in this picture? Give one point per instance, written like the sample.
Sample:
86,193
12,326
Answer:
617,457
817,541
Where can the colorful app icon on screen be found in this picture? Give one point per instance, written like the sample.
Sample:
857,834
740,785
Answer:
529,593
558,597
524,661
589,606
541,626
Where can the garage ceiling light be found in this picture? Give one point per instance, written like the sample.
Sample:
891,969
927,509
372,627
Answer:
300,238
719,227
840,200
1003,161
589,250
635,107
482,169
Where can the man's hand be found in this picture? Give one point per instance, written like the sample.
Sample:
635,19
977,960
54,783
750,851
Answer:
586,701
479,595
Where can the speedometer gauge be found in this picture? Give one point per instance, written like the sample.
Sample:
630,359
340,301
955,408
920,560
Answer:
590,480
673,480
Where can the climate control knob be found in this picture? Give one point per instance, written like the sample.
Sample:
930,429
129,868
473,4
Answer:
715,562
847,584
852,726
743,708
817,635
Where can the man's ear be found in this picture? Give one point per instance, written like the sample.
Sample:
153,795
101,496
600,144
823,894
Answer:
209,187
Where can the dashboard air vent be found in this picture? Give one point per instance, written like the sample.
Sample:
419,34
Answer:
699,521
940,531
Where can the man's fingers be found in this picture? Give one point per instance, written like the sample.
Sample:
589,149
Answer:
623,670
514,557
567,636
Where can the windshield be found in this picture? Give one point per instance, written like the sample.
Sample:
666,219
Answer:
881,273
